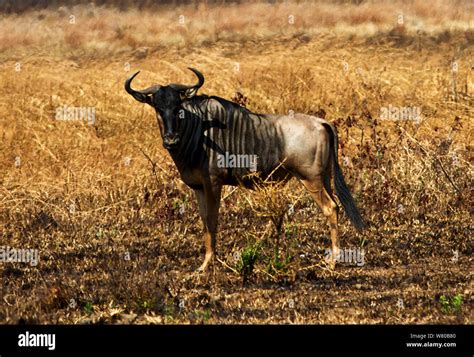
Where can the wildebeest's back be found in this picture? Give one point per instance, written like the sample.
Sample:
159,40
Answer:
240,132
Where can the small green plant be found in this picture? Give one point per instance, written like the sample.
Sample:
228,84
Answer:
451,305
247,260
100,233
145,305
277,263
89,308
202,315
169,311
291,231
457,302
179,205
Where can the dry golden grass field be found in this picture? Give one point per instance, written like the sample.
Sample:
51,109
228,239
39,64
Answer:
119,236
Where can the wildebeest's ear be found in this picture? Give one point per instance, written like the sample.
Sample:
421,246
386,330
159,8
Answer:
186,91
189,93
144,98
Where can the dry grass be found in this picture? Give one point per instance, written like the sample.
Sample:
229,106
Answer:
91,31
87,196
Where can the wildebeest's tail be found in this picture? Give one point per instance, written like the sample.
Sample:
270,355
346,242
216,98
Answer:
342,191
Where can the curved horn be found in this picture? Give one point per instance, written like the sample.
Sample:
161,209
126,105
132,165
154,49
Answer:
190,88
140,95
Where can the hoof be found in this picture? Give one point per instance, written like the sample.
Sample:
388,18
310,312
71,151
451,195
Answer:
208,260
202,268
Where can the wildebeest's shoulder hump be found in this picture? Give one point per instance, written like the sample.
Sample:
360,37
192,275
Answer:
228,106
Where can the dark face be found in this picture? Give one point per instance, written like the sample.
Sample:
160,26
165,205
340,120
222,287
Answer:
167,103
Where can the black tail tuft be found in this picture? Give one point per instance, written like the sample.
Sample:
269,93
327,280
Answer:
346,199
342,191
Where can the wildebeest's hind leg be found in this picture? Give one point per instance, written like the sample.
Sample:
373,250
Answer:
318,187
209,201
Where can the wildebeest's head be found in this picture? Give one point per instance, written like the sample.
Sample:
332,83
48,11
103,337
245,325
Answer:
167,102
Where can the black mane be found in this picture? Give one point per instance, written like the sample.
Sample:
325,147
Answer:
227,104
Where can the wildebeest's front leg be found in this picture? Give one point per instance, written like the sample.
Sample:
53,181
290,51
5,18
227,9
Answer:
209,201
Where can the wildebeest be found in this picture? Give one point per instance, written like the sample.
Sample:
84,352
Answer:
199,130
